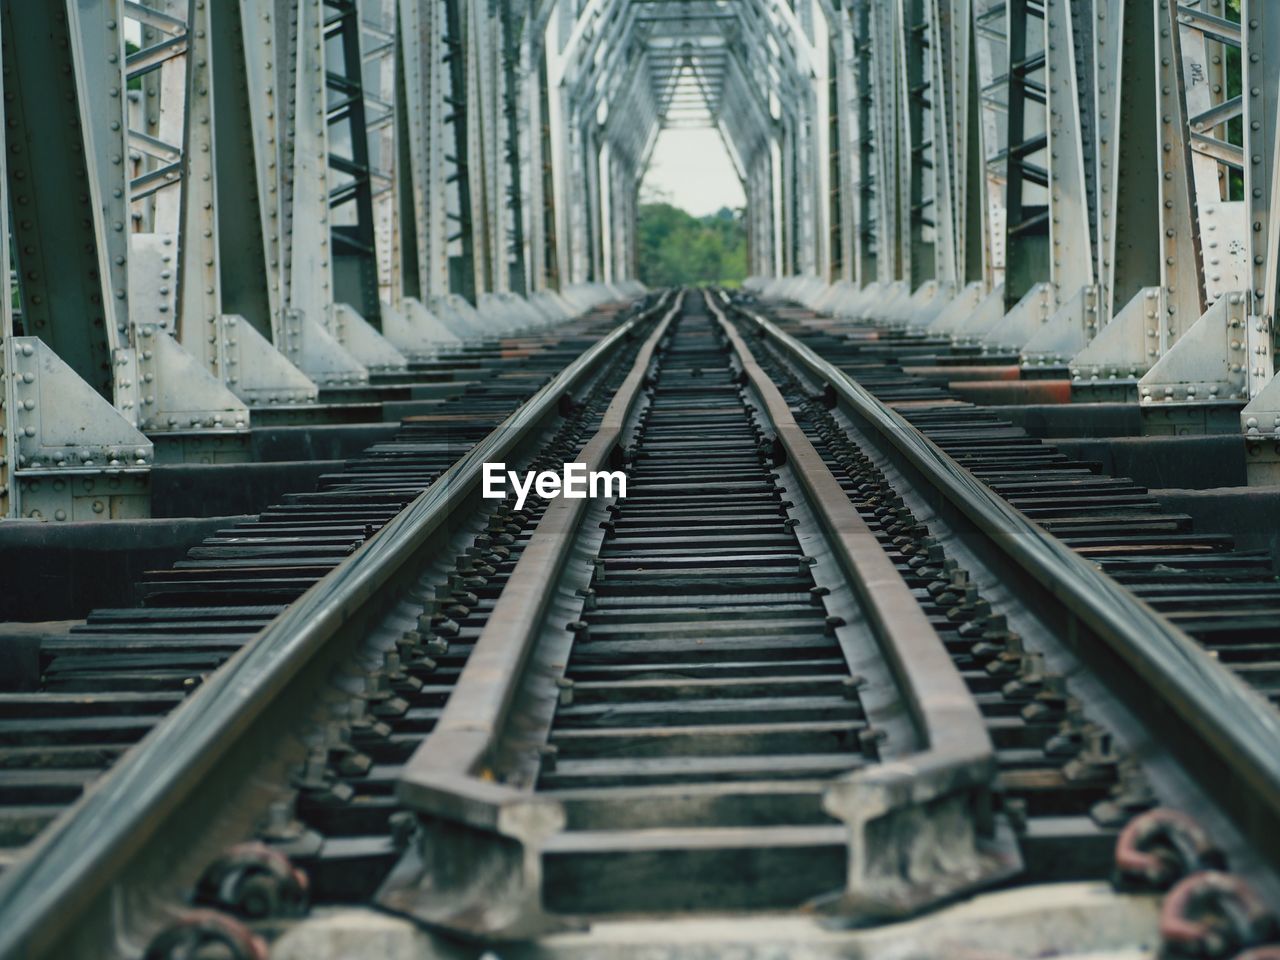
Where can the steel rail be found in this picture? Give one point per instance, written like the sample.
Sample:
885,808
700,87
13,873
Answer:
1213,723
955,772
448,778
479,834
68,875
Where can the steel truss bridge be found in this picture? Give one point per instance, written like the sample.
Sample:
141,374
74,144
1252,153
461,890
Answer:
264,199
939,618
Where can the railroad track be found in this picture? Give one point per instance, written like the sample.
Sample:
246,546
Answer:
1227,598
807,664
105,683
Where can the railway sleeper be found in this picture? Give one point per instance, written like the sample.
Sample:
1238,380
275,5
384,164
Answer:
614,809
612,734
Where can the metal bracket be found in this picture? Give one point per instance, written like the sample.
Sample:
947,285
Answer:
419,315
498,313
508,311
464,309
316,352
914,838
176,392
257,372
887,305
1021,323
1223,229
525,309
930,299
830,295
414,330
1067,332
443,312
989,312
363,342
1128,345
1260,420
963,306
458,315
153,285
160,386
522,305
8,428
854,304
552,305
1208,362
70,454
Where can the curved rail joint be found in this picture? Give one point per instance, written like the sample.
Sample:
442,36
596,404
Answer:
920,828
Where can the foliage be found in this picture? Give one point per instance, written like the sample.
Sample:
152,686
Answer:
131,48
676,248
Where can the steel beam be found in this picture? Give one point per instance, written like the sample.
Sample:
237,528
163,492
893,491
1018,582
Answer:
65,133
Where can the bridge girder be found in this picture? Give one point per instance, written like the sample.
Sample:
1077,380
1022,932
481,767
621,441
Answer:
290,194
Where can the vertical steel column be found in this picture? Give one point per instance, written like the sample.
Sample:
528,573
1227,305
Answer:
990,59
890,257
514,42
589,157
577,202
1071,138
355,257
1175,336
160,67
8,388
836,150
790,241
431,159
866,184
1027,251
1260,419
846,137
305,187
1182,271
760,212
1129,217
972,197
69,386
484,98
809,205
946,56
918,157
1260,22
245,124
411,139
462,266
550,230
199,321
65,142
379,33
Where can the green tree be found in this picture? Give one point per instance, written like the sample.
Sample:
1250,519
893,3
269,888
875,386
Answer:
676,248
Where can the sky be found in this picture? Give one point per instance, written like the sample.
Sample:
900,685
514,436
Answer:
691,169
